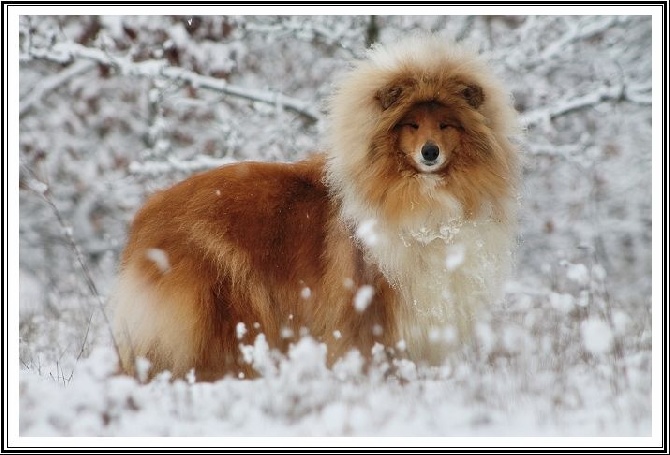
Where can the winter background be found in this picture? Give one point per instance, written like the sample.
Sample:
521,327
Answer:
112,108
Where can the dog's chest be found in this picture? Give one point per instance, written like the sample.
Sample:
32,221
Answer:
442,275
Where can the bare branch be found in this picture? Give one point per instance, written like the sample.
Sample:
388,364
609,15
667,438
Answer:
67,52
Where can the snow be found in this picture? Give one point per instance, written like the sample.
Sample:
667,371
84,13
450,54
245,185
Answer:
142,366
305,293
597,336
363,298
561,301
160,258
366,232
455,256
578,273
620,322
568,351
303,398
241,330
29,294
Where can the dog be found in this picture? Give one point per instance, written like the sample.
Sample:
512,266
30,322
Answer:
395,236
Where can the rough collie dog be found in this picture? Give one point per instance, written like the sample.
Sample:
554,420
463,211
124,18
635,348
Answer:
396,235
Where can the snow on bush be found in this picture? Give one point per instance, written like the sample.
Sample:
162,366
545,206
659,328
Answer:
596,336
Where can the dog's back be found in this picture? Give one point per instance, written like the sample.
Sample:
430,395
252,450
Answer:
225,255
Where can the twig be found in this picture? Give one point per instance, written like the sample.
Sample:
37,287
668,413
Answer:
43,191
83,343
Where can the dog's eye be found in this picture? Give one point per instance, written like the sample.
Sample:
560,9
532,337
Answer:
412,125
445,125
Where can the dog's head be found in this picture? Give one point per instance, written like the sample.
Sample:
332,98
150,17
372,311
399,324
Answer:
425,120
419,119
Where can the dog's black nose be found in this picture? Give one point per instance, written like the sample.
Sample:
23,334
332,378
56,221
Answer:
430,152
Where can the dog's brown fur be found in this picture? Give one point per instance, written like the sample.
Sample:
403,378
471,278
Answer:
281,248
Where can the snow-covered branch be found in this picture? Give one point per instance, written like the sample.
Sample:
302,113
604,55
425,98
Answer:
529,55
634,94
305,31
578,31
560,151
273,98
163,167
68,52
52,83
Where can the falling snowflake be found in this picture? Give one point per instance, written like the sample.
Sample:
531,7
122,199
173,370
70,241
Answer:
363,298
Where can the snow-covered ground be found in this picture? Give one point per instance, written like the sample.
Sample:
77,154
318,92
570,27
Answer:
303,398
535,370
105,119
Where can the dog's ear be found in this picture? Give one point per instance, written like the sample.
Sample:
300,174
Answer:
388,96
473,94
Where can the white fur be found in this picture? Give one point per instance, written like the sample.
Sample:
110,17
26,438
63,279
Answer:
145,321
439,297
